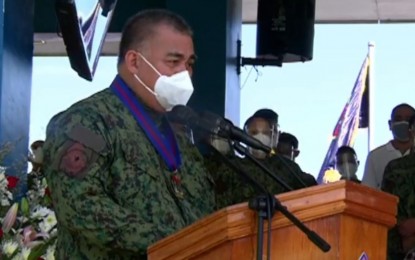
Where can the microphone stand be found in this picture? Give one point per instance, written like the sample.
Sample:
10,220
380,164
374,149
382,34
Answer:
312,236
264,204
291,170
242,150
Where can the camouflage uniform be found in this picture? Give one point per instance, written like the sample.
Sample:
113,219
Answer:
399,180
112,192
232,188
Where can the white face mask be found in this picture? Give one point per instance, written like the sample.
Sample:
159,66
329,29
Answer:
263,138
170,90
347,170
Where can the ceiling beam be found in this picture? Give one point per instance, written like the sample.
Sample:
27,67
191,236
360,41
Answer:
327,12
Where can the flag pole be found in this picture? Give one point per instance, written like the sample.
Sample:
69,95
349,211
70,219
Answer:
371,98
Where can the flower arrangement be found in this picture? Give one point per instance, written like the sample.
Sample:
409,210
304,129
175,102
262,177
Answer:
28,229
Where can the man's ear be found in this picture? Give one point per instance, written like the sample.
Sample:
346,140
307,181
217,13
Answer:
296,153
132,61
390,124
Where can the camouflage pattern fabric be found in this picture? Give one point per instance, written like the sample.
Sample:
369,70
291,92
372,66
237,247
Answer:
399,180
112,193
232,188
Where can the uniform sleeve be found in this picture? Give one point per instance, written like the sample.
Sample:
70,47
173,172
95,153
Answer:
78,156
295,176
230,187
223,178
308,179
369,174
388,183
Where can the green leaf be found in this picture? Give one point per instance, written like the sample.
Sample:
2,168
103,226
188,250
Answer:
40,250
24,206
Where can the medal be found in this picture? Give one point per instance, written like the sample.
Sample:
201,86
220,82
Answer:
176,183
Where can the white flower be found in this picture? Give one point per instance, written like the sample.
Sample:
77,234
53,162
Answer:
4,202
9,195
40,212
2,173
3,181
3,178
48,223
3,169
9,247
50,253
23,255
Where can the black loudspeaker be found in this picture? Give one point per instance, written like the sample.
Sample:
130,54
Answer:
285,30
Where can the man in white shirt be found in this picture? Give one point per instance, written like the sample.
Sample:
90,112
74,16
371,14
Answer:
399,146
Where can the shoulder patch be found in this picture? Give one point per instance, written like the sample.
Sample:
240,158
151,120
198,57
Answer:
79,152
87,137
75,159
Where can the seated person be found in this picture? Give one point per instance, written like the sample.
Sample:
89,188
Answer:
288,146
233,188
347,163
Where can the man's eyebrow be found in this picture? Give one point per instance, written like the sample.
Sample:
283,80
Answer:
180,55
175,54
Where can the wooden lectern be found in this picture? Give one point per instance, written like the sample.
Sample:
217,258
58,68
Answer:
352,218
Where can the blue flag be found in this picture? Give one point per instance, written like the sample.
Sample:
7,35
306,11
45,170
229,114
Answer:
355,115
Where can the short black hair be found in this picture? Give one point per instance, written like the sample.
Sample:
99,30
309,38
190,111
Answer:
140,28
403,105
289,139
345,149
265,113
412,121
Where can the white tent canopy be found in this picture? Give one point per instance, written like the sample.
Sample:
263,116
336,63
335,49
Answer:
327,11
349,11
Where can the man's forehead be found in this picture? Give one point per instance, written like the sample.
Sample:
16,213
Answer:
171,42
404,112
284,145
346,156
259,123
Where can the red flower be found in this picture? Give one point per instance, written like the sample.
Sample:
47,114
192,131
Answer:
1,232
12,180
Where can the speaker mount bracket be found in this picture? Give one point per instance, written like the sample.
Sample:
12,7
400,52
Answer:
242,61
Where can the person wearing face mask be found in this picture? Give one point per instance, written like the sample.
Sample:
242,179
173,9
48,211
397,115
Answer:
256,126
120,177
347,163
399,180
232,188
263,126
288,146
399,146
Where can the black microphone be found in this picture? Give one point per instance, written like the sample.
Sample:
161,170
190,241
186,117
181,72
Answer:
181,114
186,116
215,125
226,129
